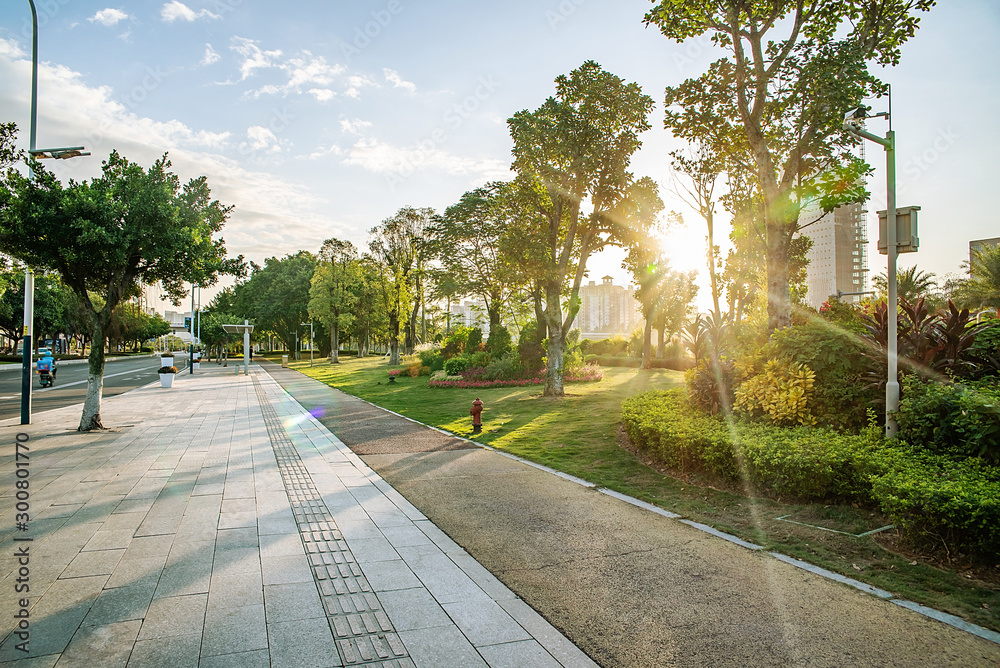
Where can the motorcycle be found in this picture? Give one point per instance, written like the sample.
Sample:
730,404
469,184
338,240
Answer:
45,379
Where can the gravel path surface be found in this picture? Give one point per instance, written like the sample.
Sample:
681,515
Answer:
629,587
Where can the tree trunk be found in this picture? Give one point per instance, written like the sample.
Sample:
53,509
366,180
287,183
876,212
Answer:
554,351
779,303
334,343
91,418
394,340
711,259
661,343
647,345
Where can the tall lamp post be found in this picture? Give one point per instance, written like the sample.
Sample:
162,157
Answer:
894,243
310,340
29,278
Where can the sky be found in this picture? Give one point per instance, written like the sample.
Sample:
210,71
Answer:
319,119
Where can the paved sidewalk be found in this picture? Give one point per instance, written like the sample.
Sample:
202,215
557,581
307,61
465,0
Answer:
630,586
219,524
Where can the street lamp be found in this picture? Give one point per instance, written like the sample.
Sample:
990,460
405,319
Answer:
852,125
310,340
29,278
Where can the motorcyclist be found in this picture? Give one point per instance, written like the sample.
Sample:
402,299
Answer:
48,363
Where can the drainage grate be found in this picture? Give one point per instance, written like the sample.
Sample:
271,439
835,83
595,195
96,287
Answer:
364,634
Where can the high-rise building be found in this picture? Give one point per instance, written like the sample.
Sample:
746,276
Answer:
606,308
838,259
980,244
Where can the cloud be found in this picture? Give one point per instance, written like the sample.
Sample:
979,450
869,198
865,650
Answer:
178,11
254,58
355,83
383,158
87,115
261,138
211,56
321,94
109,17
354,127
392,76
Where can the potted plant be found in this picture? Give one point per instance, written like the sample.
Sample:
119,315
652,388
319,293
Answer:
167,359
167,375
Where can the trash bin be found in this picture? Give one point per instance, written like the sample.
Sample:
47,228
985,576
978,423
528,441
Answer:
284,361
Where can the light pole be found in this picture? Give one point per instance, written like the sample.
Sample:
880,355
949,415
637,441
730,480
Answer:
310,340
28,332
852,125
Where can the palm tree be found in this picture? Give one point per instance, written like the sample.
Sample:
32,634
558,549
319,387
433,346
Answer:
910,283
983,286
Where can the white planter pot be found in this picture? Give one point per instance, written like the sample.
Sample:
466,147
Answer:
166,380
166,361
196,365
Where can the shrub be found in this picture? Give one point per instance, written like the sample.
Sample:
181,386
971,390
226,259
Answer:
507,367
455,342
937,499
782,394
615,345
529,349
475,340
456,365
803,462
710,386
432,358
499,342
951,419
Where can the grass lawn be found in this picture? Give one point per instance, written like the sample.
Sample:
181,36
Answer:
578,434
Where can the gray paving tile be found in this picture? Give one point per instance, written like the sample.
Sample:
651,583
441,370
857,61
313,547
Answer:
137,571
107,646
442,577
554,642
149,546
485,623
410,609
253,659
441,647
120,605
236,588
518,655
102,562
281,546
174,616
288,602
284,570
372,549
232,630
388,575
305,643
170,652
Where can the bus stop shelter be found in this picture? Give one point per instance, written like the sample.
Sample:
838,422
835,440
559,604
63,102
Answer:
244,329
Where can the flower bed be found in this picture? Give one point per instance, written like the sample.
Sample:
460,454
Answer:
584,375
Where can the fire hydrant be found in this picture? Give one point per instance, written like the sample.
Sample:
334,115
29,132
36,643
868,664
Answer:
477,418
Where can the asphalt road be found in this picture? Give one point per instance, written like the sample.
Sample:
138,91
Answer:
71,384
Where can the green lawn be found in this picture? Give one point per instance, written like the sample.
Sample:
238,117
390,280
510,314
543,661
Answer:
578,435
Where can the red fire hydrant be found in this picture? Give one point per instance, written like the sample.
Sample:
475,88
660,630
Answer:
477,418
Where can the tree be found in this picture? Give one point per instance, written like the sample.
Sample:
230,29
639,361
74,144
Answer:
577,146
330,295
697,189
775,105
910,283
983,286
128,227
468,237
398,245
276,297
52,301
370,320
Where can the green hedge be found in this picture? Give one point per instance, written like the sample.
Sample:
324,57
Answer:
936,498
801,462
614,360
932,497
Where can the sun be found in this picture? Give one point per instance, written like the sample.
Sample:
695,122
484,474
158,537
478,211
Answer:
686,248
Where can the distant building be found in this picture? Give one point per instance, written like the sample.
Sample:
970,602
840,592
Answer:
607,309
838,259
980,244
470,314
